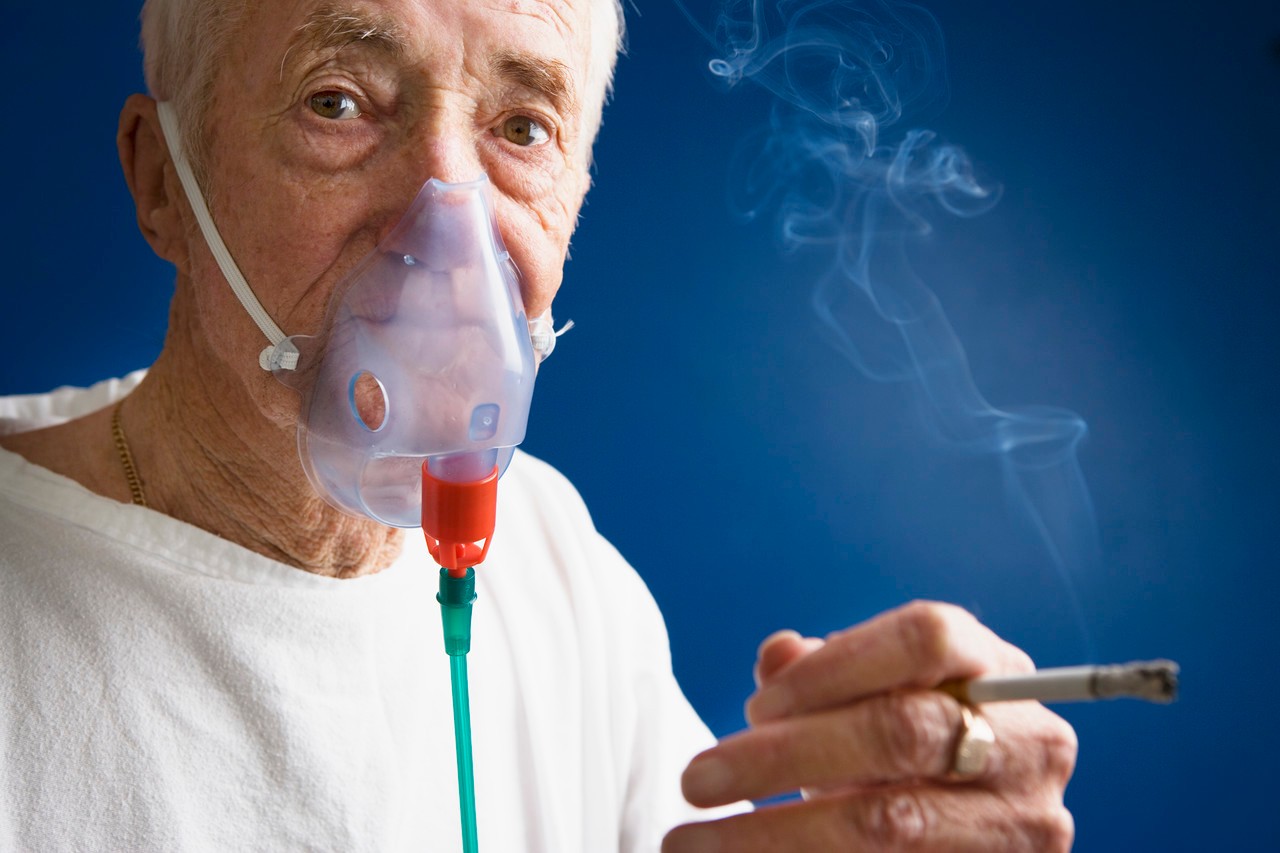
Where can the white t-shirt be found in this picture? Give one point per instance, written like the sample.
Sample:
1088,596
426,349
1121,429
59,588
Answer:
164,689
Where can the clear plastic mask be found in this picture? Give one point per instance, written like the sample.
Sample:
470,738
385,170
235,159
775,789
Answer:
425,355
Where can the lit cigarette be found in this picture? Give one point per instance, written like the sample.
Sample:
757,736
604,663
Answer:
1153,680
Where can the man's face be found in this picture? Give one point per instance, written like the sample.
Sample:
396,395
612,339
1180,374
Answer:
326,120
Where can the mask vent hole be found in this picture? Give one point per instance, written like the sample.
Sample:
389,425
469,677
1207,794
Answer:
484,422
368,400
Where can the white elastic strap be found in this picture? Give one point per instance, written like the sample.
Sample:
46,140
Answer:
273,357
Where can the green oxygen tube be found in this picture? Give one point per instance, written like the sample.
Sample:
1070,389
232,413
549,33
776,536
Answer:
456,596
458,515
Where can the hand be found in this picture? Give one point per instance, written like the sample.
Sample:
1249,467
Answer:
855,724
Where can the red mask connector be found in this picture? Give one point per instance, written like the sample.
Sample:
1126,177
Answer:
458,519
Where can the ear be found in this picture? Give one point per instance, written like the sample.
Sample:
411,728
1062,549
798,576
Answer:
153,183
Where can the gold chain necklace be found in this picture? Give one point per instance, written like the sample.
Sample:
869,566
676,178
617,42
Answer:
126,458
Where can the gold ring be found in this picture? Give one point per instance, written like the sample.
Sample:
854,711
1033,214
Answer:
973,745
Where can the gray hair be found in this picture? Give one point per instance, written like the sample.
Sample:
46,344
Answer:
183,42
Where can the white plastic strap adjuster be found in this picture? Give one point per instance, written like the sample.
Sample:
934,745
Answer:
543,335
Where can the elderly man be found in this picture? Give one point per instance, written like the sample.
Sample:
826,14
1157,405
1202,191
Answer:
201,653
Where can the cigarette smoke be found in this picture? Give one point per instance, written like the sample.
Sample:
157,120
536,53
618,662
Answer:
844,75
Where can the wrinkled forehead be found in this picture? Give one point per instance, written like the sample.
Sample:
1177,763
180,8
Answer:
568,18
273,33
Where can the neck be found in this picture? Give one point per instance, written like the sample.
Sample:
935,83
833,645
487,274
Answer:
219,451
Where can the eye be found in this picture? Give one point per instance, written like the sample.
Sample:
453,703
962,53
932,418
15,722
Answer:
334,105
524,131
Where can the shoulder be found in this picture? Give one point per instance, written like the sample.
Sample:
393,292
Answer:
532,477
546,536
533,494
21,412
547,550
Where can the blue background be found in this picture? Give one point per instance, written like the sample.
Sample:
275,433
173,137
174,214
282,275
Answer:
755,479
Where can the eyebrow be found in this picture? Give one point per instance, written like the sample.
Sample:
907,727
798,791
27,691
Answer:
330,28
547,77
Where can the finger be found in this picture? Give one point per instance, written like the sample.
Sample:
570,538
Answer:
937,819
888,739
1035,749
918,645
780,649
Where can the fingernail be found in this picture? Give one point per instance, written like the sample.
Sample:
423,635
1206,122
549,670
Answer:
694,838
772,703
706,779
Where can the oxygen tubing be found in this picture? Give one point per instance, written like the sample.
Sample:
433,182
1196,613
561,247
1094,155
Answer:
456,596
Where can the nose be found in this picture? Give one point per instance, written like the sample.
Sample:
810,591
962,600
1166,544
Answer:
444,148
